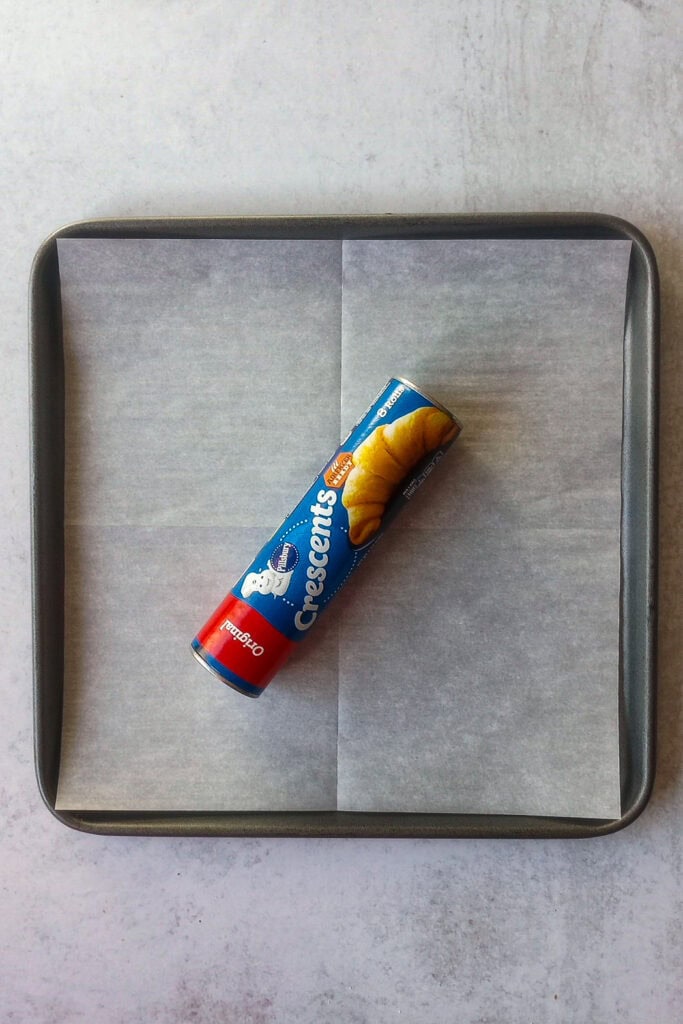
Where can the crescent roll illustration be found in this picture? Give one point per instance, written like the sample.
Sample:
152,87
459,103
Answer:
384,459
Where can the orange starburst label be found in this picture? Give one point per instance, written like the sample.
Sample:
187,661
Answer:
338,470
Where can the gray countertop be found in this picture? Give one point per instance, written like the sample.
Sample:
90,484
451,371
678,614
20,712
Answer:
225,108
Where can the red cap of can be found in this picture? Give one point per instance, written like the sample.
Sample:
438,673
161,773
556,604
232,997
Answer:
241,647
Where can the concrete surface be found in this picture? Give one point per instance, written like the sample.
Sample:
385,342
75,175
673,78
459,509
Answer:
272,107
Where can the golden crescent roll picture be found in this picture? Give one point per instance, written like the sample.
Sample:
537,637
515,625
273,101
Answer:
384,459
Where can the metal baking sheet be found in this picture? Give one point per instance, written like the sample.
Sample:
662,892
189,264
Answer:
640,380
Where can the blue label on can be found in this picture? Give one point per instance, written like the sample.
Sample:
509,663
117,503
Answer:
328,534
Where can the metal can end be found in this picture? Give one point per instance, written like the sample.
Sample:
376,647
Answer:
222,673
430,398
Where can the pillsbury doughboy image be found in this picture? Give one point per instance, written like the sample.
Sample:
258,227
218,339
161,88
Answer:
276,578
267,582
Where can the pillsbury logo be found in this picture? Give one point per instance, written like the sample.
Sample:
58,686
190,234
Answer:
284,557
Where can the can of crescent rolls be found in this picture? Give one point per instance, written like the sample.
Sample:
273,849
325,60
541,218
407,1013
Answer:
280,596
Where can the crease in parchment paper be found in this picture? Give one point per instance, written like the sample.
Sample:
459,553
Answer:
472,663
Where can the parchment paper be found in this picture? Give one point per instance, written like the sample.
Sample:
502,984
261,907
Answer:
186,363
480,659
473,660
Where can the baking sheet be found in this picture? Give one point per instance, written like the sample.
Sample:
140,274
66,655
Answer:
188,365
